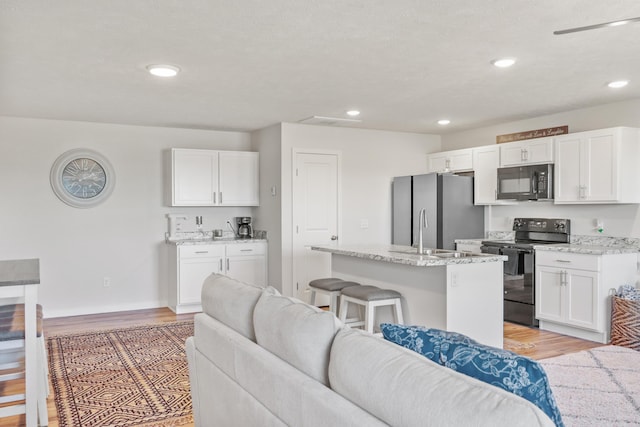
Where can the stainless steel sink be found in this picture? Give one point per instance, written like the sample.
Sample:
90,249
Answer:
437,253
414,251
454,255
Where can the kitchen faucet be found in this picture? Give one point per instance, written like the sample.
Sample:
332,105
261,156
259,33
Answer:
422,224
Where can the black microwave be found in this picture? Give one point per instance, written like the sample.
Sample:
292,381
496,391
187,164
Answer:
530,182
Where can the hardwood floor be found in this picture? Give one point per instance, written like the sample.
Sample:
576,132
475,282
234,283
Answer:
530,342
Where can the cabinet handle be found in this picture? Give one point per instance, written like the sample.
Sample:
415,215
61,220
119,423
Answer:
220,264
221,197
447,163
215,198
202,252
583,191
563,278
246,250
563,260
227,264
526,154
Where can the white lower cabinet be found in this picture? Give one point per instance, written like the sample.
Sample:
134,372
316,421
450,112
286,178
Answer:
190,265
247,263
572,291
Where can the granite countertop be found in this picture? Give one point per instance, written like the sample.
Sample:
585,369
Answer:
398,254
214,241
587,249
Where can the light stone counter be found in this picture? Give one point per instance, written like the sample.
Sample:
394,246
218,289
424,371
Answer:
456,294
210,241
587,249
397,254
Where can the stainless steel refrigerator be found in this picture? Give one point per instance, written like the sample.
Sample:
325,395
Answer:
450,212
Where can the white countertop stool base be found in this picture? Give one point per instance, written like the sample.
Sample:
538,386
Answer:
332,287
369,297
12,347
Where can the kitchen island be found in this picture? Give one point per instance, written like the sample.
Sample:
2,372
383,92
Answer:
449,290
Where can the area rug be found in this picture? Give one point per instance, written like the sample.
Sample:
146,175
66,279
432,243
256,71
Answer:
597,387
135,376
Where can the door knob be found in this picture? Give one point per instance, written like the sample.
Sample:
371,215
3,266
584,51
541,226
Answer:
334,237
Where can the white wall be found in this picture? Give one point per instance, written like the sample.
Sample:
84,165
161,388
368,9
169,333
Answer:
121,238
268,216
369,161
626,113
619,220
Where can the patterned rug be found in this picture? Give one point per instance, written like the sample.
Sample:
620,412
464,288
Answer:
135,376
597,387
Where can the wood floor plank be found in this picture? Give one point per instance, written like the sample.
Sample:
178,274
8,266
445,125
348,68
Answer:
535,343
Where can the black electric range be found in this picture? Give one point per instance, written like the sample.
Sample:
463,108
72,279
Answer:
519,269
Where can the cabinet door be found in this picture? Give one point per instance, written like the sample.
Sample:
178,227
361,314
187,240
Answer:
599,174
248,269
549,293
193,272
194,177
582,299
539,150
511,154
437,162
567,186
461,160
453,161
485,181
239,177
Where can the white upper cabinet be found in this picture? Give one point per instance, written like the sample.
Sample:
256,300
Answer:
450,161
214,178
539,150
238,178
486,160
194,177
599,166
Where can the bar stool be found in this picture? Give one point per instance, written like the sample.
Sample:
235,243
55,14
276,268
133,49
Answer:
332,287
369,297
12,338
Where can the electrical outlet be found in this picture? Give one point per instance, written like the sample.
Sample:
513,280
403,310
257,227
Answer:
364,223
106,282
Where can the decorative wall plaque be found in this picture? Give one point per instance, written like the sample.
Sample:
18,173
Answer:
531,134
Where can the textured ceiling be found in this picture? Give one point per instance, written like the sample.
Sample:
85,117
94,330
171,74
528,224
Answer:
248,64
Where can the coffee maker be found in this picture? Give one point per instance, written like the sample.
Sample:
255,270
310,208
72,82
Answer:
244,226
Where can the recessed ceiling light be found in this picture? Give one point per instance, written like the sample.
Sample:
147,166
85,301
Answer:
353,113
504,62
444,122
618,84
617,23
162,70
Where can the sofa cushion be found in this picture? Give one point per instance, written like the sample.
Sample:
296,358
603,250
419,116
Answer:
403,388
517,374
231,302
296,332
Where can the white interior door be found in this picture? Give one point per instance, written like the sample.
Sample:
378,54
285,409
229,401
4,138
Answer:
315,217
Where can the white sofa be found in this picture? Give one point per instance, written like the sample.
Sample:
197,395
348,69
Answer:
261,359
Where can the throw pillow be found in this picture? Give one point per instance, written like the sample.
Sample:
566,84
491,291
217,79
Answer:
298,333
517,374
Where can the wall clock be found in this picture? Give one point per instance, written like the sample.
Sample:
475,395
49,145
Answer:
82,178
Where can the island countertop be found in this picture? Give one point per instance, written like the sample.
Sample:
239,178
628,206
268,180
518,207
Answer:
399,254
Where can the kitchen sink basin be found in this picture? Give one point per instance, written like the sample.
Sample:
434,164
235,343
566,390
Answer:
414,251
454,255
